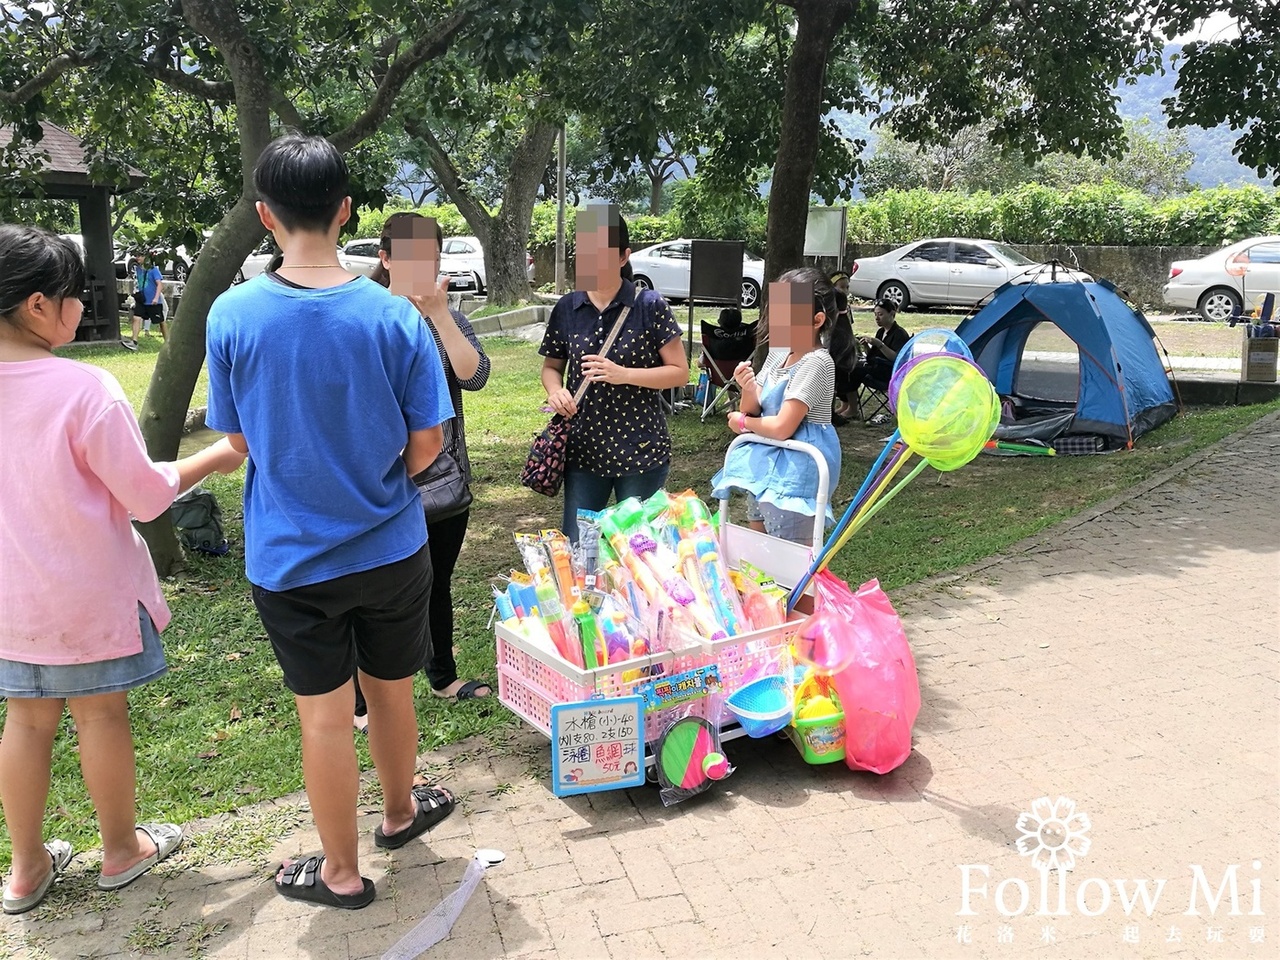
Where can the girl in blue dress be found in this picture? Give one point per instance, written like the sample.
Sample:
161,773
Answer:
790,399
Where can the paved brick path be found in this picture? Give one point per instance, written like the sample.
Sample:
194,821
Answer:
1126,660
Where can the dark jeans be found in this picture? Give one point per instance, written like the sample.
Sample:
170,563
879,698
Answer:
587,491
444,543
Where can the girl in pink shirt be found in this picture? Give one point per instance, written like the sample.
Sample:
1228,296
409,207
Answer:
80,605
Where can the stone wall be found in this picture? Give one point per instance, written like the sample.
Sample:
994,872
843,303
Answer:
1140,272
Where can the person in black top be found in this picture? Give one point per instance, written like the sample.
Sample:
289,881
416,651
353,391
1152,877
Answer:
618,444
882,349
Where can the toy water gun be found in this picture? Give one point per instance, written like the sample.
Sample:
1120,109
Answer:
558,625
562,566
1029,448
588,635
703,575
651,558
721,592
695,525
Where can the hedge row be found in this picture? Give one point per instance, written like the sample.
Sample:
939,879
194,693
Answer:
1100,215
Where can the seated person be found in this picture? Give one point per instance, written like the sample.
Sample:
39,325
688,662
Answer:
882,349
732,326
847,355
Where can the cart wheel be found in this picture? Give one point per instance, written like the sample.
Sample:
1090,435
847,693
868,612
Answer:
651,775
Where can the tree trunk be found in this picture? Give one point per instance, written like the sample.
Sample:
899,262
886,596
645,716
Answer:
656,179
817,24
506,253
164,411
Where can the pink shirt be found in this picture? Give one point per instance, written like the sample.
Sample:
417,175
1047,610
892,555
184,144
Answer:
72,468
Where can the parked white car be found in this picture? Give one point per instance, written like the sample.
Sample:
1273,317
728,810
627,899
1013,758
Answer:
948,270
361,256
1228,281
461,254
666,267
258,261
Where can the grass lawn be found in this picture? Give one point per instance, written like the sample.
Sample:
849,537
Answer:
220,730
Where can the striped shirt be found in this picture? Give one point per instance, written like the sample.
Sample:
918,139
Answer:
475,382
811,380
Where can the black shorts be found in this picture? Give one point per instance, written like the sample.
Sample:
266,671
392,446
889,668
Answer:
375,620
149,311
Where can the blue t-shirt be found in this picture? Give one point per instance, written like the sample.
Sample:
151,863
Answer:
148,282
325,385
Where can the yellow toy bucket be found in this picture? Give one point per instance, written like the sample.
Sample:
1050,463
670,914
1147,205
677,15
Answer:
819,737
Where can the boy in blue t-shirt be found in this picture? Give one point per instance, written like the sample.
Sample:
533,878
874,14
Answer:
148,300
336,391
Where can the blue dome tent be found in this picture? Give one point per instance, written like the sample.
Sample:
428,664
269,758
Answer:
1122,390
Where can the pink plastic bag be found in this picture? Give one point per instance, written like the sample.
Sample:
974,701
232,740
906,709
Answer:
879,690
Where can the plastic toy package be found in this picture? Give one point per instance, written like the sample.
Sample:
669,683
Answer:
687,753
645,577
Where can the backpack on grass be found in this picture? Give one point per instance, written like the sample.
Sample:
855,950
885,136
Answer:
198,518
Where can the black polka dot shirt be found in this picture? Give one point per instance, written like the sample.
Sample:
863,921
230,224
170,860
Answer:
619,429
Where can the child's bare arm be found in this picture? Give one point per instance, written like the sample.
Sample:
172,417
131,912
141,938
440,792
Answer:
221,457
423,448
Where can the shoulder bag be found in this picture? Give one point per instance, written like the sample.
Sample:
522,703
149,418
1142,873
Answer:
443,486
548,457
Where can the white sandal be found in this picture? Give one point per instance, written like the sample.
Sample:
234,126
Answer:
166,836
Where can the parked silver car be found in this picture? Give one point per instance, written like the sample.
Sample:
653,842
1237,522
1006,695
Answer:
948,270
1226,282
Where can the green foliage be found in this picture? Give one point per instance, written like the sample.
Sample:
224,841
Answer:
451,222
1102,214
1231,78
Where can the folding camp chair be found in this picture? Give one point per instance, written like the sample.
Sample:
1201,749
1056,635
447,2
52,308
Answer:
872,398
724,345
872,401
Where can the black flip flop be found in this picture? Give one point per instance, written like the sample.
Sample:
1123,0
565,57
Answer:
434,805
468,690
301,880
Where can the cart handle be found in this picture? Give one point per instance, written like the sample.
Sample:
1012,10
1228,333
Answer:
824,485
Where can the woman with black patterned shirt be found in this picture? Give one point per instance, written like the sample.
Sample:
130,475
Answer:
618,442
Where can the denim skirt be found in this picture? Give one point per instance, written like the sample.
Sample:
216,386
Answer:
42,680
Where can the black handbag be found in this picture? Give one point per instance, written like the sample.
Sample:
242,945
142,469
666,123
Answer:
549,455
443,486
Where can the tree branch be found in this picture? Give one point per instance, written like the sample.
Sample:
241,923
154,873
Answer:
46,77
218,91
451,180
431,44
284,108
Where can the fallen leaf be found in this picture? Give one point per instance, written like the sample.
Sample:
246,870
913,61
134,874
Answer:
221,735
208,755
235,714
234,656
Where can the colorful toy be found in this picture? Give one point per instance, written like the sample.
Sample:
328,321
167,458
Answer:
558,625
715,766
588,635
932,340
763,707
947,411
825,643
679,757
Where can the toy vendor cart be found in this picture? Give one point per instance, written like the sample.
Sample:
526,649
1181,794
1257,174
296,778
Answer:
532,681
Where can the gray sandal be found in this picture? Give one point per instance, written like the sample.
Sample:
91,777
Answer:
60,853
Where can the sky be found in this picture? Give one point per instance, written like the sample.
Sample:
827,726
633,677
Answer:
1219,26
